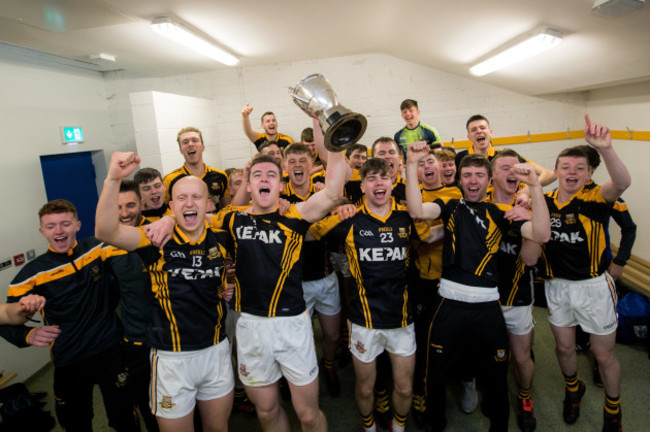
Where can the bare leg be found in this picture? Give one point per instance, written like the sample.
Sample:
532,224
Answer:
305,403
267,404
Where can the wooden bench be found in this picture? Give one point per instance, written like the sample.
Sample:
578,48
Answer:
636,274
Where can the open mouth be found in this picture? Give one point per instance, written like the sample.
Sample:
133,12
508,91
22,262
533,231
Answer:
571,181
299,175
511,182
264,192
190,217
61,241
429,175
191,152
126,220
155,200
380,193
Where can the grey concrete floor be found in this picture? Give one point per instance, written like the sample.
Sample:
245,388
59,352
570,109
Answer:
548,393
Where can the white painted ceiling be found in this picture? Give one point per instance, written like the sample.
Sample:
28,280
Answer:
448,35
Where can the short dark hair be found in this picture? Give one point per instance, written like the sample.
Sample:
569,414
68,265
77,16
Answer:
265,114
474,118
408,103
262,159
572,152
384,139
58,206
265,144
475,160
593,157
356,147
505,153
130,186
297,148
146,175
307,134
374,165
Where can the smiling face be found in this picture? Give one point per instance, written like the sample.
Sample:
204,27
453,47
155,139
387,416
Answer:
572,173
358,158
264,185
377,188
502,177
480,134
60,230
270,124
474,181
189,203
129,206
298,167
428,172
448,172
191,147
388,151
411,116
153,194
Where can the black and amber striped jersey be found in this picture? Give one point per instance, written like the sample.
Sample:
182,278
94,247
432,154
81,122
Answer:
577,249
621,215
352,189
78,300
266,250
282,140
188,280
215,179
473,233
515,277
378,251
428,260
316,264
152,215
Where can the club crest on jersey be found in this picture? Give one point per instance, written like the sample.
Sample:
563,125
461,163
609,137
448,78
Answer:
402,233
360,347
570,219
242,370
500,355
166,403
213,253
96,274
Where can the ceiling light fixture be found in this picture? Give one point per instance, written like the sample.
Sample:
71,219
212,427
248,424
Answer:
174,31
536,44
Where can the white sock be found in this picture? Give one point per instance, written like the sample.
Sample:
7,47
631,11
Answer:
397,428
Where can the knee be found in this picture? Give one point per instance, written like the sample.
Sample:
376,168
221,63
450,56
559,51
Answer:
521,357
564,349
309,417
404,390
604,356
267,414
365,390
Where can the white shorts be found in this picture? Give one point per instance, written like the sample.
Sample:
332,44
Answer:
366,344
519,319
268,348
322,295
231,322
178,379
590,303
340,263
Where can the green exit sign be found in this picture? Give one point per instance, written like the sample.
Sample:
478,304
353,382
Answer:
72,134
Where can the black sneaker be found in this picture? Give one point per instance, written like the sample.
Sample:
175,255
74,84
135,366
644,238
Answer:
419,410
526,415
572,403
612,422
383,415
332,382
598,381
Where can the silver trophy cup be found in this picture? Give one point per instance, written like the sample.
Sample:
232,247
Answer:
342,128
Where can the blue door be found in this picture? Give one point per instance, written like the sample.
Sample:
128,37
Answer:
71,176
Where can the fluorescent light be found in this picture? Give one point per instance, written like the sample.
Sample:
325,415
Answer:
545,40
166,27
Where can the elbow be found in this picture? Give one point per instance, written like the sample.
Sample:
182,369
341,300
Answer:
415,213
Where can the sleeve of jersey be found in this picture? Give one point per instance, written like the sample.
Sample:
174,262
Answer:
17,334
109,251
325,227
433,137
622,217
422,229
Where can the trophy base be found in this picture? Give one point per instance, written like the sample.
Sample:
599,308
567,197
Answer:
342,129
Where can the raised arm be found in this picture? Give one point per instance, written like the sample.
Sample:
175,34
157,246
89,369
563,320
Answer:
538,229
246,122
545,175
599,138
107,226
319,204
418,210
323,154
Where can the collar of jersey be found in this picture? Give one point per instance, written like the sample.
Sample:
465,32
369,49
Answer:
365,209
181,238
69,251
